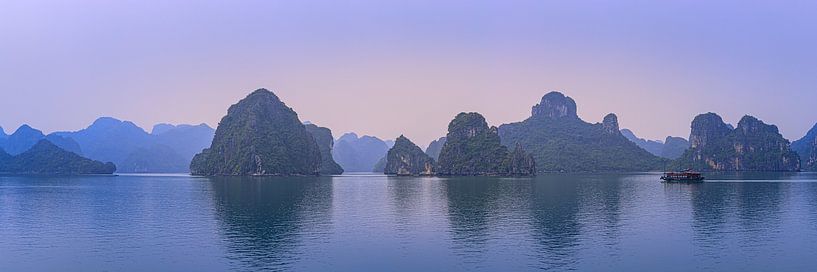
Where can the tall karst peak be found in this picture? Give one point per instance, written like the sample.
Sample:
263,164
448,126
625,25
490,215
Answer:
707,126
555,105
260,135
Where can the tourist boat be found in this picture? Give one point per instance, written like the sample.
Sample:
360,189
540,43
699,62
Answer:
683,176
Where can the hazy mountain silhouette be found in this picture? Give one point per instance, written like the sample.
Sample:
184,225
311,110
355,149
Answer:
671,148
359,154
46,158
170,148
26,137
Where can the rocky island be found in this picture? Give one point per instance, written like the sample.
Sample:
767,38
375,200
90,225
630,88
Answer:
260,135
45,158
751,146
407,159
473,149
561,142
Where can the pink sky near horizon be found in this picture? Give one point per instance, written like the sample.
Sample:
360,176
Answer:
390,68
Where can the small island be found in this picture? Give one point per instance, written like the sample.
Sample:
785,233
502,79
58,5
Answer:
45,158
260,136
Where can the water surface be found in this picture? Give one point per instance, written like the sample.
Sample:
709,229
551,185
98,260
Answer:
559,222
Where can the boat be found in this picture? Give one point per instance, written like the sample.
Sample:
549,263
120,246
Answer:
687,175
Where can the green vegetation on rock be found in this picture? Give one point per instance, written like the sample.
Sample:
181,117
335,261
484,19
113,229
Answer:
46,158
560,141
407,159
260,135
751,146
474,149
323,137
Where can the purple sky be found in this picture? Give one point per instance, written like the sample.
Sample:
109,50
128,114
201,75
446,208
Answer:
409,66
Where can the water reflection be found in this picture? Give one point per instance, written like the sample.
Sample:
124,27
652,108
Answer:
601,201
264,219
471,204
556,228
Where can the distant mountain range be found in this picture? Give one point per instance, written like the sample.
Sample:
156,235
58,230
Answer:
670,148
26,137
46,158
168,149
359,154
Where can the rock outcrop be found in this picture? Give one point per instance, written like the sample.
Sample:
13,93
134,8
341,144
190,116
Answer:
260,135
751,146
474,149
46,158
323,137
555,105
560,141
407,159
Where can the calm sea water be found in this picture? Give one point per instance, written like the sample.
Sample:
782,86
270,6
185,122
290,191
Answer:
583,222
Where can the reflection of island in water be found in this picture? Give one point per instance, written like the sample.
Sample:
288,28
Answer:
538,210
471,203
262,218
726,214
556,229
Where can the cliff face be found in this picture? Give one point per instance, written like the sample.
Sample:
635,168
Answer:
473,148
407,159
811,162
560,141
751,146
323,137
519,163
260,135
